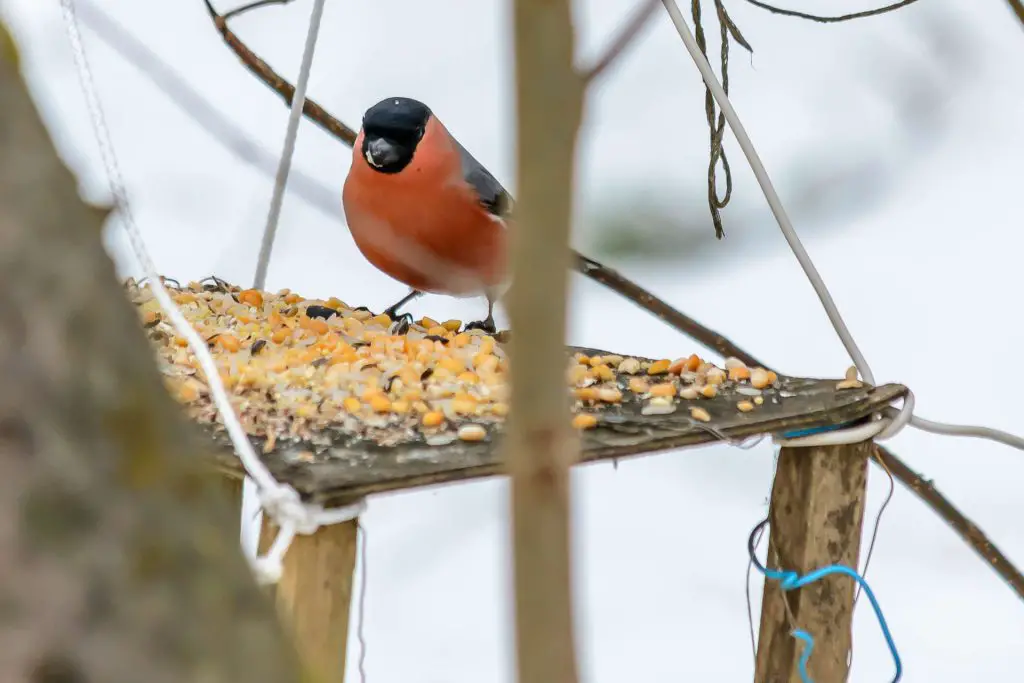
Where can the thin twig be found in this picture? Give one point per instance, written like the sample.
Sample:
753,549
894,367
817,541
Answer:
681,322
1018,8
198,108
836,19
239,11
627,34
313,111
965,528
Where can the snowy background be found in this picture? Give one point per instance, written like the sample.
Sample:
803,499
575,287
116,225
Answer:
896,140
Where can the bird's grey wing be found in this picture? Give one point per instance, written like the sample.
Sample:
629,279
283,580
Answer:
492,195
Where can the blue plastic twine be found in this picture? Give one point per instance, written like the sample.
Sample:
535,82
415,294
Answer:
790,580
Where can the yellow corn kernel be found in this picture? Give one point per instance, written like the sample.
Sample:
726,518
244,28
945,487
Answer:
251,297
380,404
666,389
739,373
452,325
229,342
609,395
638,385
451,365
433,419
352,404
745,406
709,391
401,406
603,373
584,421
700,414
659,367
426,323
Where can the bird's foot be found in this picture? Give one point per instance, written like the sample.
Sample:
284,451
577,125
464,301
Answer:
399,325
485,325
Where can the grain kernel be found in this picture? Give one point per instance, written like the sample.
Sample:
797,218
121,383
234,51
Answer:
609,395
745,406
352,404
464,406
659,367
732,362
472,433
229,342
426,323
603,373
584,421
251,297
315,325
586,393
336,303
739,373
758,400
689,393
638,385
693,362
576,373
709,391
436,331
292,298
383,319
700,414
715,376
500,409
380,404
629,366
759,378
665,389
461,340
433,419
451,365
401,406
452,325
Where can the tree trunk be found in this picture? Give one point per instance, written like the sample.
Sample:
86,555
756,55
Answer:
118,562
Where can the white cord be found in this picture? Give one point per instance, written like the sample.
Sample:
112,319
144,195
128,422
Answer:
284,167
884,427
281,501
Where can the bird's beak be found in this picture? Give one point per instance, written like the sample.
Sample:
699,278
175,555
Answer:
381,152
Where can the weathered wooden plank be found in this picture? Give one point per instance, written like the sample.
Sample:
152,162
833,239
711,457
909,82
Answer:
352,467
343,405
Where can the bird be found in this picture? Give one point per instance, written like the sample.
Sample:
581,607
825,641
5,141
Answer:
424,211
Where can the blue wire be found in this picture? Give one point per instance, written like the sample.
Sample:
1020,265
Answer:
796,433
790,580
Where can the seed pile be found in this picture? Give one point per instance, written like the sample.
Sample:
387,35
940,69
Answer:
311,370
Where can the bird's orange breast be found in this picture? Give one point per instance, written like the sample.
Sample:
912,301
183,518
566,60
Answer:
424,225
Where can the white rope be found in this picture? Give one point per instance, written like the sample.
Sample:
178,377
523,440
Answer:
886,425
281,501
291,133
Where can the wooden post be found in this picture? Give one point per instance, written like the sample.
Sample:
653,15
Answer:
816,514
314,594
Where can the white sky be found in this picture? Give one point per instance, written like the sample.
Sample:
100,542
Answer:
928,281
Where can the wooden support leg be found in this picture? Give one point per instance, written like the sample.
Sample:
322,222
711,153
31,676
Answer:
315,594
816,515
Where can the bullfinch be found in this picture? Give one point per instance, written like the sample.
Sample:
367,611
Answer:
423,211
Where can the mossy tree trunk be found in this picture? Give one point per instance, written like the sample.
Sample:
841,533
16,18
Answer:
118,562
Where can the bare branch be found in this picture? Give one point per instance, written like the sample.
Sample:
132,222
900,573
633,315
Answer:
239,11
627,34
286,90
197,107
836,19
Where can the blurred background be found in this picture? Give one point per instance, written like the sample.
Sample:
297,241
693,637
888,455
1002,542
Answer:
896,143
